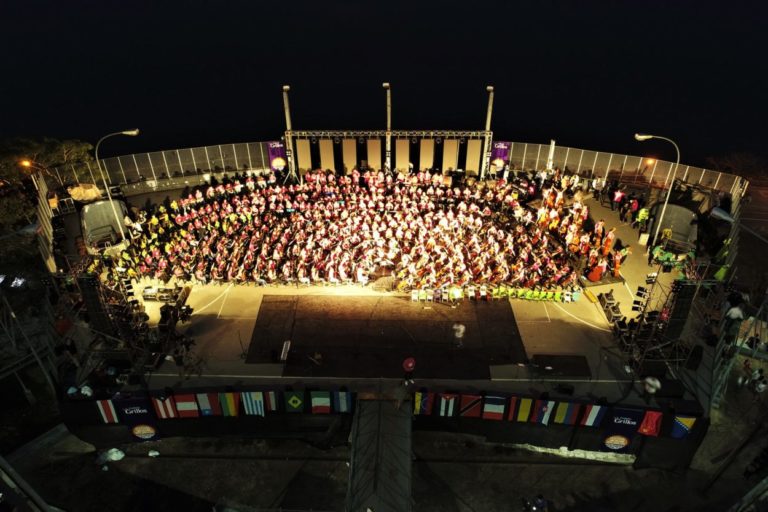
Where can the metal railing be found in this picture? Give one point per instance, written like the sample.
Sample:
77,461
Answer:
182,163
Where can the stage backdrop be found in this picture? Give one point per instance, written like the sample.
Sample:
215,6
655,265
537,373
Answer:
374,153
401,154
450,154
474,148
303,155
427,153
326,154
349,153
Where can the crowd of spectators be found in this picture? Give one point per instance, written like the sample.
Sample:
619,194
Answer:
420,229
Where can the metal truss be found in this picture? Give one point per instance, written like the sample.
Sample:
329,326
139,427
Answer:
349,134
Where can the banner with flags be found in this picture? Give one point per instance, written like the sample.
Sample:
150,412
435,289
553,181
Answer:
186,406
209,404
621,428
567,413
542,411
422,403
107,411
321,402
294,401
520,409
253,403
342,401
471,406
493,407
682,426
651,424
447,404
230,404
593,415
165,407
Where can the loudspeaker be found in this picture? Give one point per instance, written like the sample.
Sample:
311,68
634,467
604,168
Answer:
565,389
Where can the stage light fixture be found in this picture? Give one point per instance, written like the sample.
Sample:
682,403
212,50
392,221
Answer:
438,140
361,140
413,140
313,140
336,140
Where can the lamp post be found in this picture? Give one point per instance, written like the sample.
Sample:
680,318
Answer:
643,137
288,138
130,133
388,141
487,143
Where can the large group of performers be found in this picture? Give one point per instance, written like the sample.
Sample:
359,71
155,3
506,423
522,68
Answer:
420,229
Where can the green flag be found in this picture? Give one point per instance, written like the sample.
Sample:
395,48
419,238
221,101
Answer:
294,401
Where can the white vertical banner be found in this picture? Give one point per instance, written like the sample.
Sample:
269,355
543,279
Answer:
402,154
426,153
349,154
303,155
326,154
374,153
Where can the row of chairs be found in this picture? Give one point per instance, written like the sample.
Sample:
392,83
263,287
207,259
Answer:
483,292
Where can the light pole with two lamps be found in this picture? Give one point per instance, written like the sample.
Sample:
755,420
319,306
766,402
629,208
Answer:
643,137
130,133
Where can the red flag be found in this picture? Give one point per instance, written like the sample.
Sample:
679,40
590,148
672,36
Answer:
651,423
471,405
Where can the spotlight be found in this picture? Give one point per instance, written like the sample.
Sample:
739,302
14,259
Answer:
438,140
336,140
314,140
413,140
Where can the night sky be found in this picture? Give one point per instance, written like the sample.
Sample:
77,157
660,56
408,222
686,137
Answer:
588,74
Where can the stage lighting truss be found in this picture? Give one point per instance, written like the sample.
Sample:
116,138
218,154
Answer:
398,134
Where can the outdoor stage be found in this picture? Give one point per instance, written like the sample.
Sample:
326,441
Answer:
362,336
368,337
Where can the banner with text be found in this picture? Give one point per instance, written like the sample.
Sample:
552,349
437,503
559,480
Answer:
138,414
621,428
277,156
500,154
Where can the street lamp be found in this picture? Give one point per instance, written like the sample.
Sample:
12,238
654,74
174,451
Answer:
130,133
487,142
643,137
388,145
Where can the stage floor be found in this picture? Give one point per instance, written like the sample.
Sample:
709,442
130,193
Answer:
369,336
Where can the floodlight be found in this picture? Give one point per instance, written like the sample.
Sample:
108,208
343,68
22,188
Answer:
642,136
131,133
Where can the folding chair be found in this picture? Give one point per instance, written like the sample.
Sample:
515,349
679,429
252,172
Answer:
414,295
471,292
558,297
567,297
483,292
446,295
422,295
430,295
528,295
550,296
576,295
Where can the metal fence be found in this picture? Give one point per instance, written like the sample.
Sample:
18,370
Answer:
626,168
158,166
167,165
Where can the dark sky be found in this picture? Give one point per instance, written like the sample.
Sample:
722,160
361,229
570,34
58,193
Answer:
588,74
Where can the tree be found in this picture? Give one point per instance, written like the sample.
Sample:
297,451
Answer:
46,152
17,199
